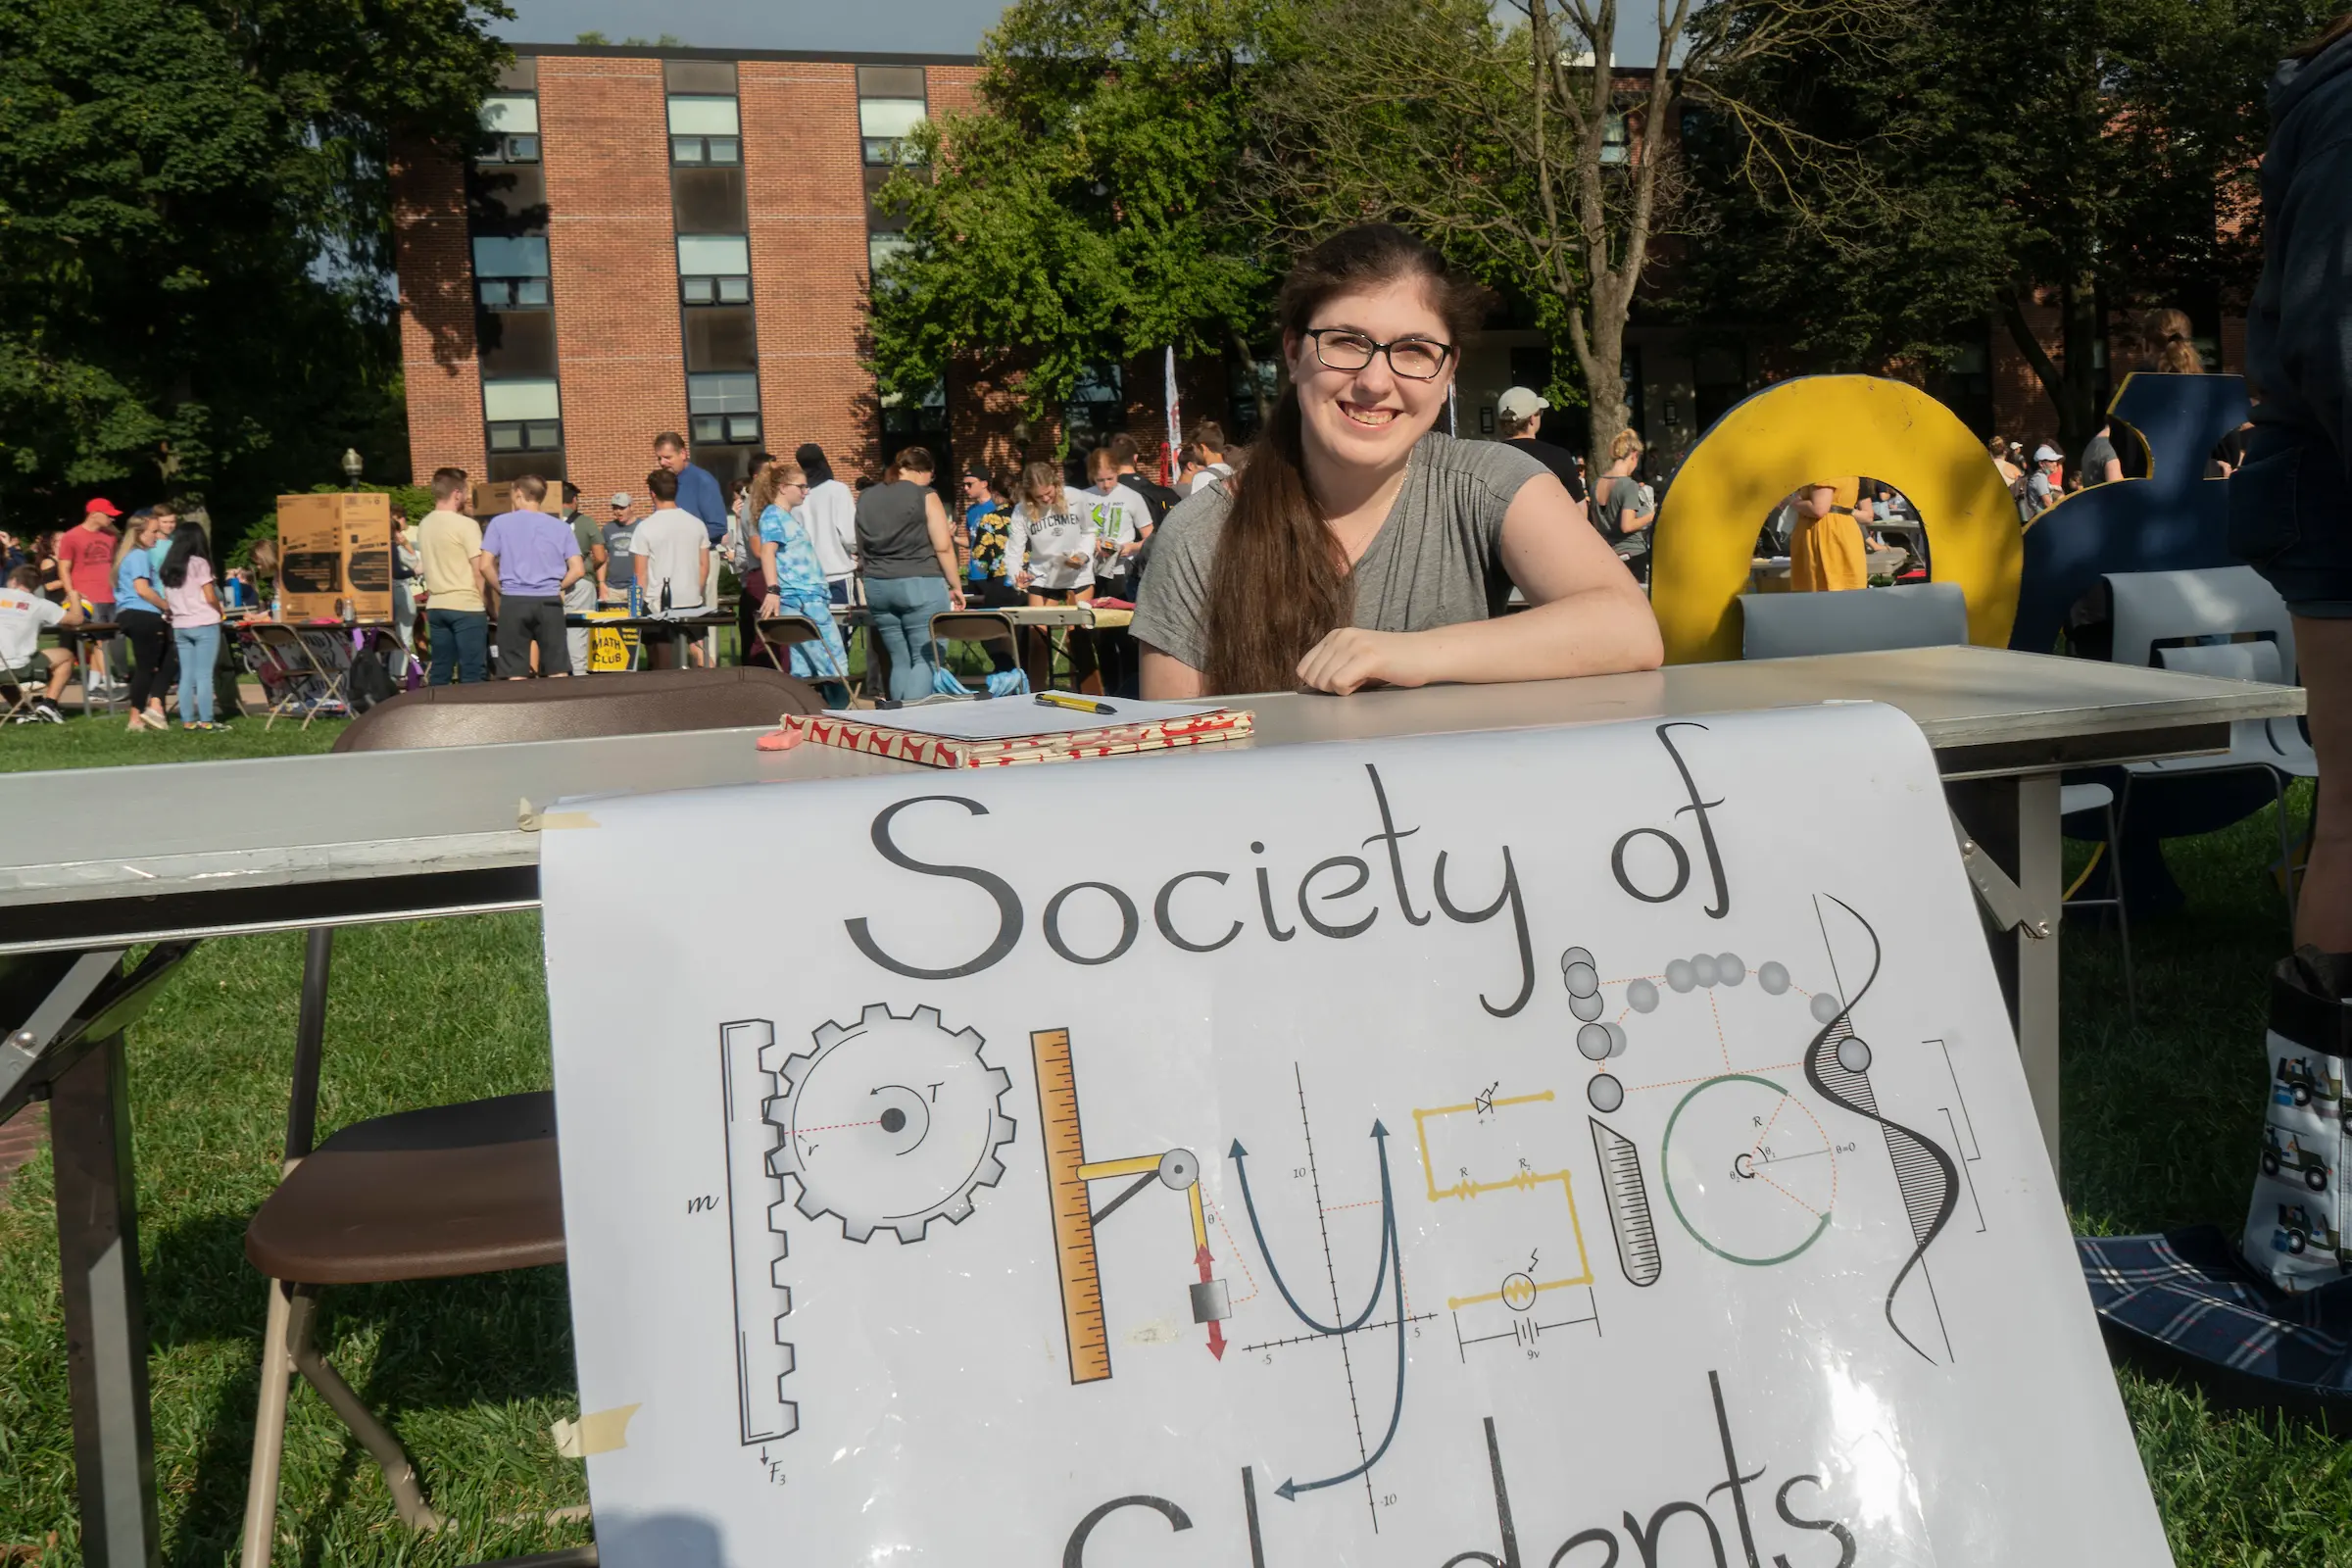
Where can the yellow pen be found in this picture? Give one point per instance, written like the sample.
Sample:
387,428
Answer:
1076,705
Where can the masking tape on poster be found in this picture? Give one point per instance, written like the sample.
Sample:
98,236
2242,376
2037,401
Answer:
599,1433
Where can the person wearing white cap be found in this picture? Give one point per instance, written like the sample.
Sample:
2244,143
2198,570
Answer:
2044,484
618,576
1517,414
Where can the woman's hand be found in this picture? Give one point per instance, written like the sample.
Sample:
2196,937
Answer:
1076,559
769,605
1022,580
1351,659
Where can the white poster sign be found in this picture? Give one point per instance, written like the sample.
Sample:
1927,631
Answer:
1579,1148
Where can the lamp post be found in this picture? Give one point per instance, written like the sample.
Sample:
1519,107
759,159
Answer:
350,467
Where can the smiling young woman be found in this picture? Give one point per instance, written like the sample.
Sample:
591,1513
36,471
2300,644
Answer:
1354,546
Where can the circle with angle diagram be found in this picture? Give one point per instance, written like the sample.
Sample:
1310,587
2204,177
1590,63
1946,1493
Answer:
1748,1169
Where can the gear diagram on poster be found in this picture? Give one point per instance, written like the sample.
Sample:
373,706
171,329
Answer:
888,1123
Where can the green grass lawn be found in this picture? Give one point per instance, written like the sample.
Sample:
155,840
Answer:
101,741
2160,1121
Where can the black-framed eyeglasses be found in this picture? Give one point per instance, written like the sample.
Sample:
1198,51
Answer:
1416,359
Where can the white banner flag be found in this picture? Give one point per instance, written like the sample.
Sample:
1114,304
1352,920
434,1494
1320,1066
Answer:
1167,466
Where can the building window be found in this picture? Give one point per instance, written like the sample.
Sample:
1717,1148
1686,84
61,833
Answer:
523,426
508,199
917,423
721,338
884,123
705,129
513,121
518,345
892,100
880,248
523,420
711,218
725,408
709,201
511,270
510,293
714,269
1096,409
509,255
1248,384
1615,144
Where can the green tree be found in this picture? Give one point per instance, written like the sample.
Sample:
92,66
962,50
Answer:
1497,138
2108,164
1079,216
195,236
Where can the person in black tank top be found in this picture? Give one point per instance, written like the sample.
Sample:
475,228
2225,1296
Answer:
907,558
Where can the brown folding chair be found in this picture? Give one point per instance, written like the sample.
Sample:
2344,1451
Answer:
451,1190
779,635
988,628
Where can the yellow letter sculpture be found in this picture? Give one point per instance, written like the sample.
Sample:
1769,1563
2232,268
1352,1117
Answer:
1818,427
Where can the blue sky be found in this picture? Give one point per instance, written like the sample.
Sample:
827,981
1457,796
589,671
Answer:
910,26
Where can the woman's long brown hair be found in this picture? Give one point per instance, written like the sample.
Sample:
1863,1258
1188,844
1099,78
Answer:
1279,583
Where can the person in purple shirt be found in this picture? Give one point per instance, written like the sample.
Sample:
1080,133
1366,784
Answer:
537,558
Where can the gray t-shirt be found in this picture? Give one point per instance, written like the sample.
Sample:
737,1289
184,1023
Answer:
1619,495
2097,453
621,568
1436,561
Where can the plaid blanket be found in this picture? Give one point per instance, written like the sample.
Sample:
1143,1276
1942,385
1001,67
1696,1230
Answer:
2191,1293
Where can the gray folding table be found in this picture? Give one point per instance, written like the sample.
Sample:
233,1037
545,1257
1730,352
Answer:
289,843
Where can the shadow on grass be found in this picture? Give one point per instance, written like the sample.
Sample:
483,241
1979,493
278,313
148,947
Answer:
410,1350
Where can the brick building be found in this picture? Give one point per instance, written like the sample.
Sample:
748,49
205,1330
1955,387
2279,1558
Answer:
656,239
681,239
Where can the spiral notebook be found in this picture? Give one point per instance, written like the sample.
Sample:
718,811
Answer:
1012,730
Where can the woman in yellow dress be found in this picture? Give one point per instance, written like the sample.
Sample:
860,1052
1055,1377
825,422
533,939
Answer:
1826,552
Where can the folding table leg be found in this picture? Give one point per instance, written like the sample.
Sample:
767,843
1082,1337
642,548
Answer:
2016,821
104,1310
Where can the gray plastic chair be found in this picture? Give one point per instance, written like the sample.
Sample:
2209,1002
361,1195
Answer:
2073,797
2218,602
2273,747
1928,615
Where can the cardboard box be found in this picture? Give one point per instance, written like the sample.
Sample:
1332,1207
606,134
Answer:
334,556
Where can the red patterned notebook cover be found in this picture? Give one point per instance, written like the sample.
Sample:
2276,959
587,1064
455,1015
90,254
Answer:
933,751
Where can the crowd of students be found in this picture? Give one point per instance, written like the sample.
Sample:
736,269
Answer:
800,542
150,579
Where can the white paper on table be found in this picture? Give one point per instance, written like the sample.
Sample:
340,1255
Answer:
997,719
1611,1146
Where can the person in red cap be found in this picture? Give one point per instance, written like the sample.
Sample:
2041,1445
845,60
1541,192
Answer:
85,556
